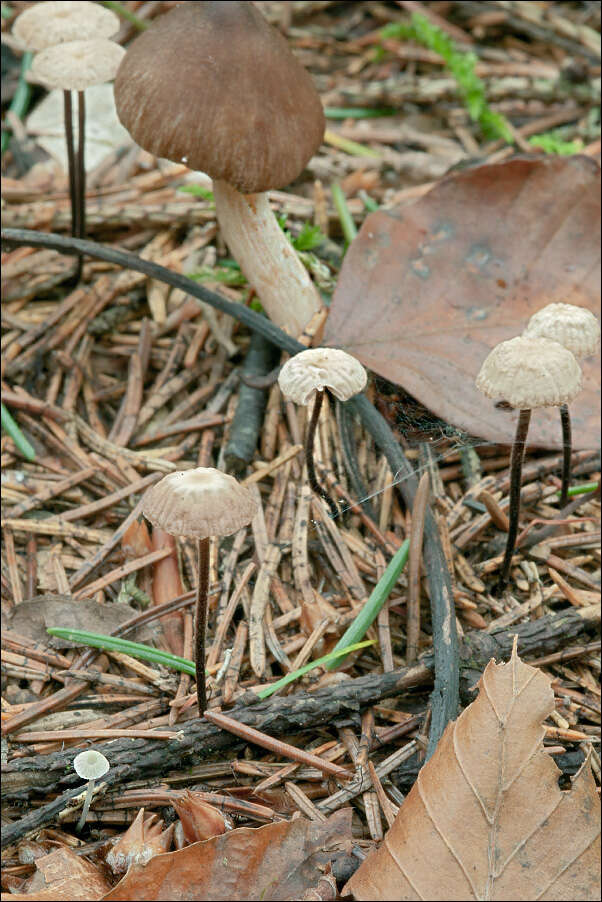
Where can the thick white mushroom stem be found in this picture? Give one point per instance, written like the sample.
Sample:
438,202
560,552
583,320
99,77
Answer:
266,257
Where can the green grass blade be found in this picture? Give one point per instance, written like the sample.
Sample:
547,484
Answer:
11,428
319,662
20,101
347,224
366,617
135,649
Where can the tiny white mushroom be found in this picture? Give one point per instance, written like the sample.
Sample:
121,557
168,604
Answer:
91,766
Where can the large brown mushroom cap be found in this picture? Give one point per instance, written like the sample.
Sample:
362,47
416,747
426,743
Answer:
213,85
199,503
529,373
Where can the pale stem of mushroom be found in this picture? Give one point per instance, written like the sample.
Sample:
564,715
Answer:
516,467
309,456
89,792
202,590
567,442
266,257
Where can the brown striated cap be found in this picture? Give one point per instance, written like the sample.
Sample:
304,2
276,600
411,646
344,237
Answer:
214,86
529,373
56,21
199,503
77,65
319,368
575,328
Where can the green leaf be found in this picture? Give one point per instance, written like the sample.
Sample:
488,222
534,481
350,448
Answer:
135,649
319,662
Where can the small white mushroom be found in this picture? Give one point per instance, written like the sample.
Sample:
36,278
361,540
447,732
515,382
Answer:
91,766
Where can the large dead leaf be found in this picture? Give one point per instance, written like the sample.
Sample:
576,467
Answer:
63,875
278,861
427,290
486,818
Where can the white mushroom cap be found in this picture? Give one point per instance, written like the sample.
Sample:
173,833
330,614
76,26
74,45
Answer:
529,373
91,765
319,368
77,65
55,21
576,328
199,503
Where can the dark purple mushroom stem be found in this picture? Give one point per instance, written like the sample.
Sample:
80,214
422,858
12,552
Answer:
516,467
309,456
202,590
77,170
567,442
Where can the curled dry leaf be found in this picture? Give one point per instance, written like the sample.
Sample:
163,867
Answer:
63,875
278,861
199,819
426,290
144,838
486,818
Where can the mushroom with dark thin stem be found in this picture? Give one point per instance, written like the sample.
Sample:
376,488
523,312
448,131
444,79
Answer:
75,66
214,86
198,504
526,373
91,766
578,330
308,375
53,24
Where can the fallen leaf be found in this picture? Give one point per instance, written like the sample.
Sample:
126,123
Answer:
143,839
428,289
278,861
31,618
486,818
199,819
63,875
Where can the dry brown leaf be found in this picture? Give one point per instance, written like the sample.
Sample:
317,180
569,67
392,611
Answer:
427,289
63,875
486,818
144,838
199,819
278,861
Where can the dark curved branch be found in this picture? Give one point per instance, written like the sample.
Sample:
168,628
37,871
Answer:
445,640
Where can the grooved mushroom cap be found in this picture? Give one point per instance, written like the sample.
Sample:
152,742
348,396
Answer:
77,65
319,368
213,85
55,21
199,503
529,373
575,328
91,765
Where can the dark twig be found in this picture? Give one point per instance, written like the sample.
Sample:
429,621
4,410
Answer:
445,640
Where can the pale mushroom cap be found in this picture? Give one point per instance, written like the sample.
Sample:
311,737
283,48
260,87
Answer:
319,368
199,503
91,765
529,373
56,21
576,328
77,65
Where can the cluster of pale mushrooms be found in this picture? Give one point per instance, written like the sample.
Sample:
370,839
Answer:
539,369
72,53
171,93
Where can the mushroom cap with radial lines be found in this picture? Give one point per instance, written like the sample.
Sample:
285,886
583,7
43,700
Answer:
529,373
77,65
319,368
56,21
575,328
91,765
199,503
213,85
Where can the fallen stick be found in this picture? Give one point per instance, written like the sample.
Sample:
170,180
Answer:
136,759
